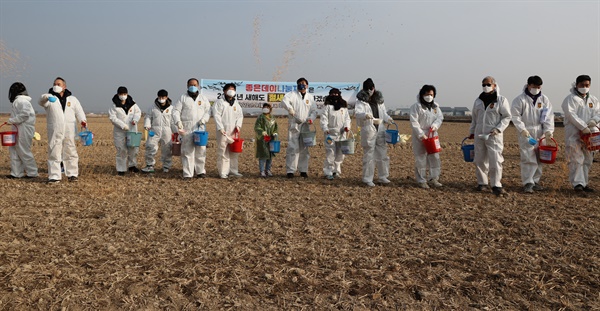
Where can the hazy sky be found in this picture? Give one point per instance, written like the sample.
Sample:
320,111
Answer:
148,45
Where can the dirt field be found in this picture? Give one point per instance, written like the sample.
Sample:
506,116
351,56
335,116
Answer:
156,242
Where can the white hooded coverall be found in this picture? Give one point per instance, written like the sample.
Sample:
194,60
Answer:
297,155
421,121
372,140
61,135
126,156
227,118
190,112
21,158
160,123
578,112
537,119
334,122
488,153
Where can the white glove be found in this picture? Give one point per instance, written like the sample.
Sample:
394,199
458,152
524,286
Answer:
548,137
434,128
223,133
376,121
147,128
45,97
495,132
126,127
275,134
592,123
292,112
586,131
179,125
423,137
264,133
525,133
368,116
237,128
389,121
8,122
201,123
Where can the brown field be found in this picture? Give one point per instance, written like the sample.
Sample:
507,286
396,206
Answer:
156,242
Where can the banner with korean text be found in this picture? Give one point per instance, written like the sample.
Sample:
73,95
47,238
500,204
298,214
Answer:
253,94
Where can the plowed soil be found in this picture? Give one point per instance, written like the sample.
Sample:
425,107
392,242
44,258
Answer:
157,242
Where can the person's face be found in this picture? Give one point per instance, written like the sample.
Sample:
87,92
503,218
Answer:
534,86
303,91
488,82
60,83
163,98
193,83
227,90
585,84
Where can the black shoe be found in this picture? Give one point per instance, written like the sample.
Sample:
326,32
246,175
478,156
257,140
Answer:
481,187
303,174
588,189
53,181
11,177
121,173
73,179
497,191
134,169
290,175
201,176
578,188
30,177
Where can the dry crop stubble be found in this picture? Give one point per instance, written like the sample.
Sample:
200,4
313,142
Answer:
157,242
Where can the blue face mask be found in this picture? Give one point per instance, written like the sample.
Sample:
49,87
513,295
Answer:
301,87
192,89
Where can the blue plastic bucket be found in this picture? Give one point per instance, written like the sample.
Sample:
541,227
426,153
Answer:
468,151
392,136
274,146
134,139
86,137
200,138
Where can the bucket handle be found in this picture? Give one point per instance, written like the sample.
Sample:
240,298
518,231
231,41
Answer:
314,127
198,127
431,132
350,134
394,123
554,140
6,123
463,141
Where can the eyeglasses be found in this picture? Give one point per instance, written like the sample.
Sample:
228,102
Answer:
486,84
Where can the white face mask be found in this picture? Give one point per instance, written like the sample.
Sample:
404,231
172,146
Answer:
122,97
488,89
370,92
534,91
266,110
230,93
583,90
428,98
57,89
162,100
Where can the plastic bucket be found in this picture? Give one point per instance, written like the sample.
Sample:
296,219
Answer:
86,137
200,138
432,143
591,141
392,136
548,153
237,146
9,138
468,151
134,139
175,145
309,138
274,146
347,146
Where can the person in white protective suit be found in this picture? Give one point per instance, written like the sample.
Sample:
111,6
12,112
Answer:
22,116
335,123
370,115
490,117
158,120
302,111
533,117
63,110
582,116
190,113
426,115
124,115
228,119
